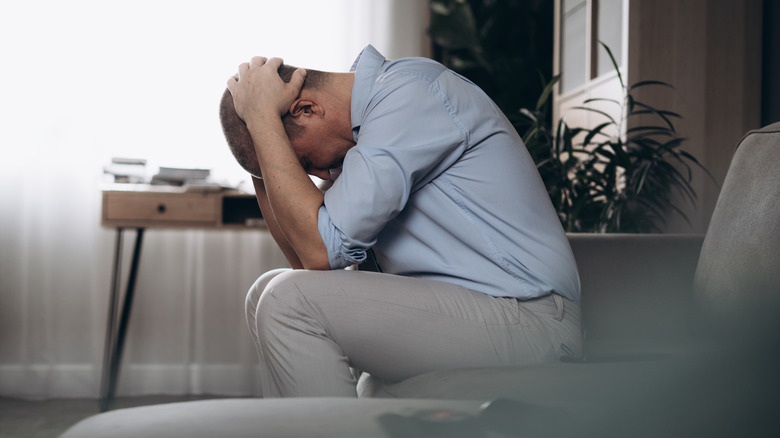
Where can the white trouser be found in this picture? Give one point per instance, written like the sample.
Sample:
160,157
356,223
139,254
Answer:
311,327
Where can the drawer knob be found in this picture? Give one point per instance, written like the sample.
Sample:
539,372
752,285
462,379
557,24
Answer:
161,208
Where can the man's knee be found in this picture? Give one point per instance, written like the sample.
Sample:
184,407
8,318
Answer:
256,291
277,290
283,302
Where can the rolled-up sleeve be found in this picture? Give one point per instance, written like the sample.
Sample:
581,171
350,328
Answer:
339,255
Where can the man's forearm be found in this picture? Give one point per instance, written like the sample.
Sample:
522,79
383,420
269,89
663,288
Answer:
261,98
293,198
273,225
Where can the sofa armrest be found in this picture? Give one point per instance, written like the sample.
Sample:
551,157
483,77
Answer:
636,288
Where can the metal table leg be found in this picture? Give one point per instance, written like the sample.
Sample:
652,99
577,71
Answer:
115,335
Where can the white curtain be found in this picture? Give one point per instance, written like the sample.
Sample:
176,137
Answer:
84,81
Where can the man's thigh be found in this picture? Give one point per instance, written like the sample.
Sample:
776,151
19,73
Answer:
396,327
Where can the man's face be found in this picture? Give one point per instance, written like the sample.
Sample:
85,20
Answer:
321,149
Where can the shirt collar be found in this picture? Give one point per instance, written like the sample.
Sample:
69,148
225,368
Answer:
366,68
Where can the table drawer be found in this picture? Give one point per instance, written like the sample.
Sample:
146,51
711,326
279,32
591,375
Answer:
132,207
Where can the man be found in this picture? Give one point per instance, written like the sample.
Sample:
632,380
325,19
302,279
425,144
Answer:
476,269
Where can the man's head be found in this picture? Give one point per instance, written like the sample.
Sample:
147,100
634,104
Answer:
235,130
237,136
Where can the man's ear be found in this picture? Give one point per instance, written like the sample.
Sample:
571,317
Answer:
303,108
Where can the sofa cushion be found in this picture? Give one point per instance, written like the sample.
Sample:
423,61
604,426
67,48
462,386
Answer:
738,277
255,418
636,292
635,287
714,390
580,382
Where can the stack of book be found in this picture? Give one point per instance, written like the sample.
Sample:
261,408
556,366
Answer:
134,171
178,176
127,170
194,180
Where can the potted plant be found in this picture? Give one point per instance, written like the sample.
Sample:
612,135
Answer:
618,176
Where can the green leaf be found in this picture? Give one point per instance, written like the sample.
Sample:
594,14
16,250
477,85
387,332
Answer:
658,113
546,92
666,113
623,159
594,110
673,143
614,64
601,99
645,83
528,114
650,129
630,103
644,169
701,166
594,132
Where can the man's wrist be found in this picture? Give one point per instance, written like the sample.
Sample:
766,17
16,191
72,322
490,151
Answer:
262,120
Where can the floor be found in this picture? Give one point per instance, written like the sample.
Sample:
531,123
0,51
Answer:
49,418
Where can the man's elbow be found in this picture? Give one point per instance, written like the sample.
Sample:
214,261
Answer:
315,260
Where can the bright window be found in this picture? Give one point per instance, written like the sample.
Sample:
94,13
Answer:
82,81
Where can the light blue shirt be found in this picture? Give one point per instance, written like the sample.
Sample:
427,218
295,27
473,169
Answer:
442,187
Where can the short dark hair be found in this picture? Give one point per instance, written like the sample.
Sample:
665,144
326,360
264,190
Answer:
236,133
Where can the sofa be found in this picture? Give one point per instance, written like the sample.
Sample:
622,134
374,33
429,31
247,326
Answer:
681,339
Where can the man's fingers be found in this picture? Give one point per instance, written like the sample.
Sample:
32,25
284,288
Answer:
258,87
275,63
258,61
242,71
233,81
298,77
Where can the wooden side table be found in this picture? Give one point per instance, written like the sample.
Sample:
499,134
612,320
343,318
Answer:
139,207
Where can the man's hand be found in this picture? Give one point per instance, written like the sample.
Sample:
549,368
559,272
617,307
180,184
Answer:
258,91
